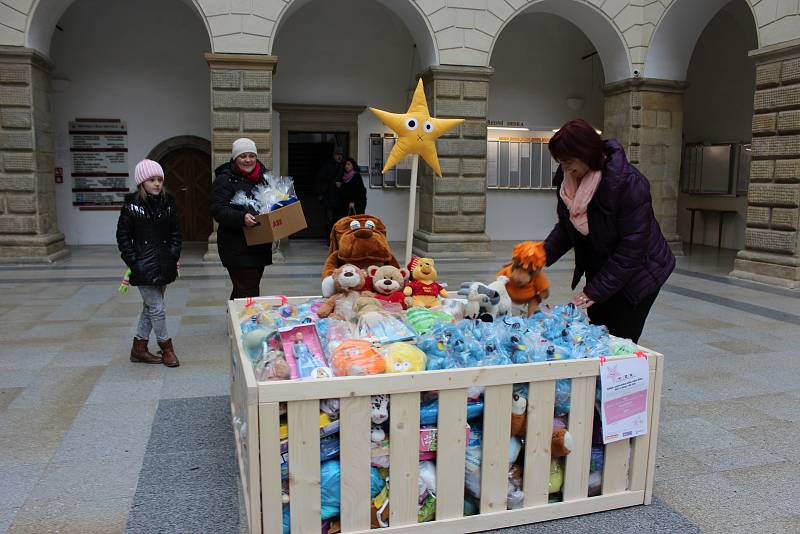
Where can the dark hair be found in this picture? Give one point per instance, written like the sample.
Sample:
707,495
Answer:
352,162
578,139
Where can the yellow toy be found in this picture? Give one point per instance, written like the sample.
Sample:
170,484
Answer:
403,357
416,130
423,288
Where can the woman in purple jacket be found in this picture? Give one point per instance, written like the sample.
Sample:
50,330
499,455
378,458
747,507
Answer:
605,213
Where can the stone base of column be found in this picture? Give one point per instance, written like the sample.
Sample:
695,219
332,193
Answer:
33,248
767,268
212,254
675,243
451,245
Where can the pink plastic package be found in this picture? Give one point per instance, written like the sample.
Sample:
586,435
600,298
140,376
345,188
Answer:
303,352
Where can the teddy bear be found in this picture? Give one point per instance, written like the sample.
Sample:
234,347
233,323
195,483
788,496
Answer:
560,439
388,283
348,281
359,240
526,284
423,288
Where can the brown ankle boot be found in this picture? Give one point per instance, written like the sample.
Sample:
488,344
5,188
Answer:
140,354
169,357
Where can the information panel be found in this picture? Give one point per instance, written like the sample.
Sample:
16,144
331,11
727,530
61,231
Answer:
99,149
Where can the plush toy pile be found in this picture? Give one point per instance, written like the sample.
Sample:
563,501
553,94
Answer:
379,318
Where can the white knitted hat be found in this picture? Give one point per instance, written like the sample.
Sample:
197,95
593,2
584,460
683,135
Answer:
242,145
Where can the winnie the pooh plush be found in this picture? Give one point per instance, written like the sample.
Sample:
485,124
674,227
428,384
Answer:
423,288
359,240
526,284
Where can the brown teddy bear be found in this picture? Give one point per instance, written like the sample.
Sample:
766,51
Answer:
526,284
423,288
388,283
348,281
359,240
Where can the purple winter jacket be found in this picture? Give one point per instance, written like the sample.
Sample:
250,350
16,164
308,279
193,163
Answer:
625,249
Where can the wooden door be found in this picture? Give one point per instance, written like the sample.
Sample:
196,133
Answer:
188,177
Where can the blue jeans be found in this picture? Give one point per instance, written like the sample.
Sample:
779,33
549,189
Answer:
154,313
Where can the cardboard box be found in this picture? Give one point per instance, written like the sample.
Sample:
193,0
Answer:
276,225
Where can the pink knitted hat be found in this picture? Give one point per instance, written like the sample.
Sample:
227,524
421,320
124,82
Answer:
146,169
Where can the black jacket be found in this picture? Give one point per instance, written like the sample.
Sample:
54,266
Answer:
149,238
231,244
329,173
355,192
625,250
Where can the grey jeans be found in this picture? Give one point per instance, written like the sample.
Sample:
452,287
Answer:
154,313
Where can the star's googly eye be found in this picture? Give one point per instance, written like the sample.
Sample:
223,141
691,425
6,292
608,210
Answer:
355,225
412,123
428,126
370,225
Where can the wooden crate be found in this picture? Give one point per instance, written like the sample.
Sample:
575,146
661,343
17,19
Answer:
627,473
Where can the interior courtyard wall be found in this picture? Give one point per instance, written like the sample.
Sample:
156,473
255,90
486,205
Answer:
114,70
717,109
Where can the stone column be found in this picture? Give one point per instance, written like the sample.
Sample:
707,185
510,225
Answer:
241,106
771,247
646,116
452,209
28,229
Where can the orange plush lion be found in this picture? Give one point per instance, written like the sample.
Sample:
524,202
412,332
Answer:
527,284
359,240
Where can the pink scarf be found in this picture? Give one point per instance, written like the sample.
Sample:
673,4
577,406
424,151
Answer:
346,177
577,197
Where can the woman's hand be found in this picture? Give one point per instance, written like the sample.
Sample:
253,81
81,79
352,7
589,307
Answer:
250,220
351,206
338,185
581,300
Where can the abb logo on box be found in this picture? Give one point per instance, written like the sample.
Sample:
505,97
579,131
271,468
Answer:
277,222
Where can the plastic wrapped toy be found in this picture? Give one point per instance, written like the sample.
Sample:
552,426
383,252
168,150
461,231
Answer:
472,466
276,193
357,357
563,390
383,327
303,352
422,320
403,357
429,412
332,332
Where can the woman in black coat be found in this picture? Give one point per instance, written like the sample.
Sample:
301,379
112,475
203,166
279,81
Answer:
245,264
149,238
605,213
352,193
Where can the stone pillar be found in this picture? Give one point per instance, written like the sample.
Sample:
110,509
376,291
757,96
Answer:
646,116
452,209
241,106
771,247
28,229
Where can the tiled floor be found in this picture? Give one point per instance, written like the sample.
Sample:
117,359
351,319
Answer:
90,442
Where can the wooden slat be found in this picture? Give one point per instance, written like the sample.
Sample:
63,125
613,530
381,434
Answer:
451,452
392,383
641,445
522,516
270,449
403,458
536,481
616,466
655,410
304,496
576,473
494,456
354,441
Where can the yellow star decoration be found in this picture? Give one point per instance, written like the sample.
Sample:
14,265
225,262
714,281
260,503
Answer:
416,130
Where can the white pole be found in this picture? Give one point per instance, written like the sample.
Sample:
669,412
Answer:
412,202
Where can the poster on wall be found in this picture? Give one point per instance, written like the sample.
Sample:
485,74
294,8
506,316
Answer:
99,149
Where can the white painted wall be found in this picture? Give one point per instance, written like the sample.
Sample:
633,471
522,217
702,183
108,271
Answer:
141,62
537,62
718,107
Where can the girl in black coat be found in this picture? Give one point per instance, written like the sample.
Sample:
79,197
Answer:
352,193
149,238
245,264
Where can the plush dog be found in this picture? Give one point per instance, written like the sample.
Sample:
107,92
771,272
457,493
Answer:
359,240
348,280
